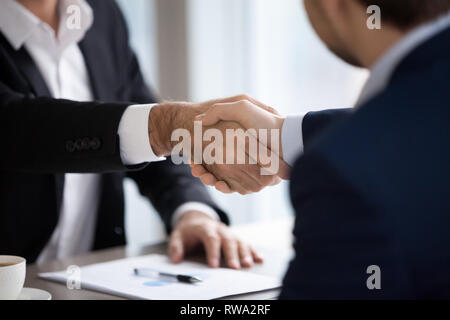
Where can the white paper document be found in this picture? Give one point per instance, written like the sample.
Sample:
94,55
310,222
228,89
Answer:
118,278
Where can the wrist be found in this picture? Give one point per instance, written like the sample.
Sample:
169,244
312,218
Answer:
194,216
156,131
167,117
279,123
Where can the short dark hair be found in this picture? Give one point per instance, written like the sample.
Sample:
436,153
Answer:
406,14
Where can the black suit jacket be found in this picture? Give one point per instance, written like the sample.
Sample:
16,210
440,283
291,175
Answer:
43,138
373,188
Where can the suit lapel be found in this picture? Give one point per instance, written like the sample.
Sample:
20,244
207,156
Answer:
97,65
31,73
27,68
37,82
39,88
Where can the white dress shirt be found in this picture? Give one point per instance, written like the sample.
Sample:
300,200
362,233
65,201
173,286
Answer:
381,72
63,68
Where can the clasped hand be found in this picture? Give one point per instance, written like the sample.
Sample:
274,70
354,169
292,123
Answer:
233,144
263,129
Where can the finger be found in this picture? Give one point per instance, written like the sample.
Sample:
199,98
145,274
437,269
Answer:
211,242
275,181
261,177
263,106
198,171
251,179
223,187
230,250
208,179
252,100
176,247
237,98
220,112
246,256
237,185
269,109
270,162
266,159
256,256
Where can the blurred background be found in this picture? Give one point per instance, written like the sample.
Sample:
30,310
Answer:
202,49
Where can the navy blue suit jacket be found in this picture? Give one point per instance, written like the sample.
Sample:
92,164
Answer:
373,188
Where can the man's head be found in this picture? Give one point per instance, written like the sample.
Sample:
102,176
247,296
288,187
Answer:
342,24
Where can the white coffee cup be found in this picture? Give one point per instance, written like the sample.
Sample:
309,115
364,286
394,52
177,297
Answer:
12,277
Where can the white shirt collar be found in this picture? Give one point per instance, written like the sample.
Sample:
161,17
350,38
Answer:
19,24
383,69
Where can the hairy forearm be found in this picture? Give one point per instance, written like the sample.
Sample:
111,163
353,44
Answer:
167,117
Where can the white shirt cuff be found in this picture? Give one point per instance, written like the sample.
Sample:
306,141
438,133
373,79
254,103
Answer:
135,145
193,206
292,138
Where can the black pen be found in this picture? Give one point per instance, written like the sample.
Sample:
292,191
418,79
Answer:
150,273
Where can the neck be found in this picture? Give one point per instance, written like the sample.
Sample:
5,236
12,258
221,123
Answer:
45,10
375,43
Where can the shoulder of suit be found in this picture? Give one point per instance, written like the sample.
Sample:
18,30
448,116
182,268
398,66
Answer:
108,15
401,133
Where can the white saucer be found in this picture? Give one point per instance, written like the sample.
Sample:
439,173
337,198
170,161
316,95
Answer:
34,294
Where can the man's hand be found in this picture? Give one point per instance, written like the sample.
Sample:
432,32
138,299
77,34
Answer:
167,117
196,230
250,116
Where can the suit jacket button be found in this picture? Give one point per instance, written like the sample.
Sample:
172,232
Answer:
86,144
95,144
70,146
118,231
79,145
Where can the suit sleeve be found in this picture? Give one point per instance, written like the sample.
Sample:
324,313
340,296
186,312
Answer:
167,185
44,135
316,123
338,236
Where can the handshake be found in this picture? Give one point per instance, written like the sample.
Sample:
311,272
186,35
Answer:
233,144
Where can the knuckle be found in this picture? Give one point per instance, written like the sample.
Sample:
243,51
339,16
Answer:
270,109
221,226
212,237
230,239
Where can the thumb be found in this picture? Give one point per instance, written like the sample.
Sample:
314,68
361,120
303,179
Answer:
219,112
270,110
176,247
